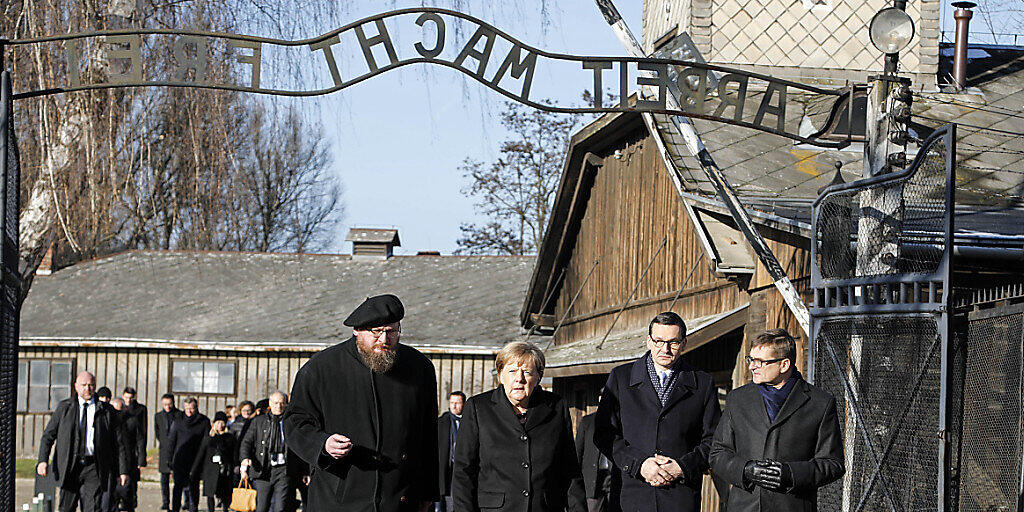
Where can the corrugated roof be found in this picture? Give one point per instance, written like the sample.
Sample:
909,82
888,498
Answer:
469,301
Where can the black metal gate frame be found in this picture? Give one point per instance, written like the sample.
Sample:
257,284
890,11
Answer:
871,295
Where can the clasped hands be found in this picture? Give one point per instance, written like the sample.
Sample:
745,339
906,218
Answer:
770,474
660,471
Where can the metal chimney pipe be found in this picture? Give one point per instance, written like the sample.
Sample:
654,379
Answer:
962,15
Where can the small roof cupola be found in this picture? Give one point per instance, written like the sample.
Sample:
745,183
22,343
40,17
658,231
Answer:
373,243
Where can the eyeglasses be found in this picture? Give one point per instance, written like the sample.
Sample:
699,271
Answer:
674,345
377,331
761,363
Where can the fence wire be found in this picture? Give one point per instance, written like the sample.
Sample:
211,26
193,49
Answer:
888,410
990,469
889,228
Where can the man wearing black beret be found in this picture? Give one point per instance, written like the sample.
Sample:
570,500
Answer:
364,416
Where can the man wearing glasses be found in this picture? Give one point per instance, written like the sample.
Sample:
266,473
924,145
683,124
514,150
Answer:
656,421
364,416
779,438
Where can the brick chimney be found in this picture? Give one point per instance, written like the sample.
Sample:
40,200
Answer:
373,244
46,266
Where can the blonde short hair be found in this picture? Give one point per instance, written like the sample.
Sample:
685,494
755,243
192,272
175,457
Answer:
517,352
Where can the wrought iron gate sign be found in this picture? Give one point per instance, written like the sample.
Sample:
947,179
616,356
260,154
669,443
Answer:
489,56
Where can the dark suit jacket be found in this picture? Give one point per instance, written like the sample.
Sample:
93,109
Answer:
503,465
632,426
136,428
588,453
444,455
216,476
111,454
805,434
162,422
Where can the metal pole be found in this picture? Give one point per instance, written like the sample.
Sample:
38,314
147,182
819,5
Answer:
9,299
725,191
571,303
632,293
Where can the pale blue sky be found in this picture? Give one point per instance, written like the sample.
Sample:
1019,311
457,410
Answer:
399,138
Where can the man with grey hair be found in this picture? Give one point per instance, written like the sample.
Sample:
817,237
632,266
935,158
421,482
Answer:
89,448
265,457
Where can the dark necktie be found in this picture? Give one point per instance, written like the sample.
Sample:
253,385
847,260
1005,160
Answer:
83,425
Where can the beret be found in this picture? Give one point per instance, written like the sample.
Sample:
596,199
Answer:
376,311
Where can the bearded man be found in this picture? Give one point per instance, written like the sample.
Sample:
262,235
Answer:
364,416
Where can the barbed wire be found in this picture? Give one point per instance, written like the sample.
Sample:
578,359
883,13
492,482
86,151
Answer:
991,109
1005,133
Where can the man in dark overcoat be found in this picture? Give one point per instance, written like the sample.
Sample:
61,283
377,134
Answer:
656,420
186,435
595,466
136,428
265,457
162,422
779,438
447,433
89,451
364,416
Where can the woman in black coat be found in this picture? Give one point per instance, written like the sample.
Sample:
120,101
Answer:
185,437
515,450
215,463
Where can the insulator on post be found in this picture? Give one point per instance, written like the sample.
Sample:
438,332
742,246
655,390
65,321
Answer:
900,113
902,93
898,137
897,159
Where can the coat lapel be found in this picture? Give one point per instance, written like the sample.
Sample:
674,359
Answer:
539,412
797,398
685,384
503,409
640,380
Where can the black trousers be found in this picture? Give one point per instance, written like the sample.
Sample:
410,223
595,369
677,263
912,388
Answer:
278,488
131,499
184,485
165,489
82,487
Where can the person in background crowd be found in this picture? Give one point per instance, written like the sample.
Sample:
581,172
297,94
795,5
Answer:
229,412
364,416
447,431
215,463
185,437
779,439
246,411
113,493
162,422
103,394
265,454
88,448
136,429
597,477
262,405
515,449
655,421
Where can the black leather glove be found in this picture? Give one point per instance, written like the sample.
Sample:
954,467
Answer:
774,476
749,477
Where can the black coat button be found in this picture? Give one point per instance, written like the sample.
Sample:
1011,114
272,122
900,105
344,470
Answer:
523,438
526,493
526,465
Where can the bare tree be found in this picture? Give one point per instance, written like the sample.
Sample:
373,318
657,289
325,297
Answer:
516,191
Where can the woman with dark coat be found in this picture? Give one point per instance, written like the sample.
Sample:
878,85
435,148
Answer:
215,463
184,439
515,450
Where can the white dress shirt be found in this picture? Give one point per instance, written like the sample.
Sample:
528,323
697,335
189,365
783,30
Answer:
90,418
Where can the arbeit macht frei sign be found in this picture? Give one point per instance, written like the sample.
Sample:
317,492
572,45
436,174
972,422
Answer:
372,46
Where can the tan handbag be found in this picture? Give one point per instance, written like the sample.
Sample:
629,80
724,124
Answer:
243,497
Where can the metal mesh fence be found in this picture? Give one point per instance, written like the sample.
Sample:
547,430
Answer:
889,228
9,298
892,366
990,470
